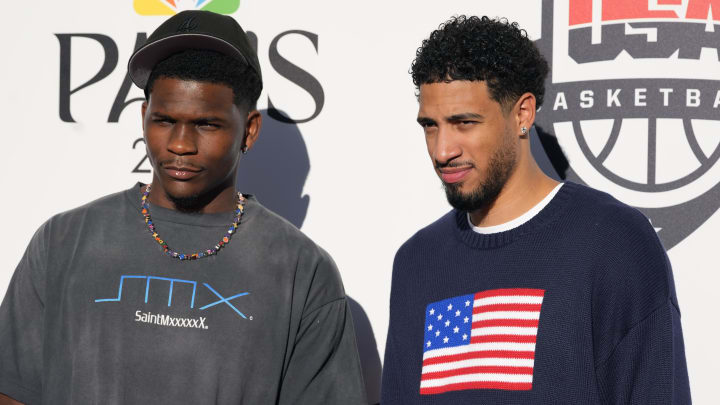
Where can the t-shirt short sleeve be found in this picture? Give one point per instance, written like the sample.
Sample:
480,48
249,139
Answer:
324,367
21,325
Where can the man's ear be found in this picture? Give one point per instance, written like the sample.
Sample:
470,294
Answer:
142,114
525,111
252,129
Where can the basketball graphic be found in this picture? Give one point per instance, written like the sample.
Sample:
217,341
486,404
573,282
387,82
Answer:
649,154
633,101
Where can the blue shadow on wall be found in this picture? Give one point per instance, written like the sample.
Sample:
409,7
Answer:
548,154
275,170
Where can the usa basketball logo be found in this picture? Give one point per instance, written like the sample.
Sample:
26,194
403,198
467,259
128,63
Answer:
633,100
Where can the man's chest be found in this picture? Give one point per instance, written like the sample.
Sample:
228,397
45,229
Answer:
158,310
511,329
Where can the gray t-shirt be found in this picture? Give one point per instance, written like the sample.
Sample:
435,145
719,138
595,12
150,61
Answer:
96,313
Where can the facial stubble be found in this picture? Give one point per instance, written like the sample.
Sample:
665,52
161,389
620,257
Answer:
195,202
500,167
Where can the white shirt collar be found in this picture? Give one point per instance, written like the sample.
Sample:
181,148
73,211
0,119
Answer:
519,220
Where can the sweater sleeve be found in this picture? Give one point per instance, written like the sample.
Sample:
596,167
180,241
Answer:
391,381
637,337
21,325
648,365
394,387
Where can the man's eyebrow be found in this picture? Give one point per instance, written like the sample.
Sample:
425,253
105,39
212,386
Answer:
464,117
210,118
156,114
425,121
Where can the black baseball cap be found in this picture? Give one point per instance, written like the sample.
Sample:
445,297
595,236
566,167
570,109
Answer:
192,29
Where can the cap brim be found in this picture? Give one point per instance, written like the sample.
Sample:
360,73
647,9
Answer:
144,59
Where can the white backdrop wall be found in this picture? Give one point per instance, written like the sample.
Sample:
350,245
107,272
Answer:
368,181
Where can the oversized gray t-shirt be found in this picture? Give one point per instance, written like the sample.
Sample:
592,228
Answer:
96,313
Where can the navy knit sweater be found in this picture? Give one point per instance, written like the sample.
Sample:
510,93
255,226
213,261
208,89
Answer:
575,306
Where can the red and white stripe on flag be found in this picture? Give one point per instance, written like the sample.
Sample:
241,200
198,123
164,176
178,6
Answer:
500,351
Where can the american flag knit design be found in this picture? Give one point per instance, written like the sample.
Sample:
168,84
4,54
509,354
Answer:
484,340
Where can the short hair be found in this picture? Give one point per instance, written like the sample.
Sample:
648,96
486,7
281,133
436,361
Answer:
213,67
483,49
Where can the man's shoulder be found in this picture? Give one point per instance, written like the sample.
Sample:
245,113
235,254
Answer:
588,209
606,213
101,207
273,225
75,221
314,267
630,260
432,234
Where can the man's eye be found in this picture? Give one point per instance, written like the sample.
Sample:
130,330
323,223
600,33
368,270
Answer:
208,126
467,123
162,121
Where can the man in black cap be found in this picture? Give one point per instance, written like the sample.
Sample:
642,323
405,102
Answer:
182,290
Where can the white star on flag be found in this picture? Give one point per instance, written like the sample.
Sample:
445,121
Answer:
449,307
428,343
466,319
432,311
437,333
447,323
456,329
439,317
467,304
457,313
429,327
445,339
464,338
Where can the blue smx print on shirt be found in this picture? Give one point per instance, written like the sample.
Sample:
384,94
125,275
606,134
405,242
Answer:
172,281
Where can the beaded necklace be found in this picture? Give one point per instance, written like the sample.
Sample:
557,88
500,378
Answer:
180,256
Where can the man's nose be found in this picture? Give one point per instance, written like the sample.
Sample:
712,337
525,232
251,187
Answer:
447,146
182,140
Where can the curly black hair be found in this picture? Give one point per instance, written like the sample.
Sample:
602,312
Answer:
480,48
210,66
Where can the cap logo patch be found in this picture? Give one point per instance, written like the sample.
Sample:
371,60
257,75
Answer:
188,25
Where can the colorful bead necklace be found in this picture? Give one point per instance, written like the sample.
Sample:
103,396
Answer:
180,256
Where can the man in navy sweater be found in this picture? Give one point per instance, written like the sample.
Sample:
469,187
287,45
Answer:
529,291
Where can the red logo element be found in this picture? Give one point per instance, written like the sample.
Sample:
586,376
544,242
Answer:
581,11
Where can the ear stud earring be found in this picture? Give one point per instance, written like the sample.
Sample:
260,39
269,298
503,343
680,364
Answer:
523,130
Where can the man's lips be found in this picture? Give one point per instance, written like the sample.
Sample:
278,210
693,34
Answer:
181,172
454,174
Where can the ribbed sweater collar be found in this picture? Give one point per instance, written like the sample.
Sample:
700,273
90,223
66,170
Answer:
552,211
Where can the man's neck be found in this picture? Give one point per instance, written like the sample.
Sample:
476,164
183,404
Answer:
219,200
525,188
